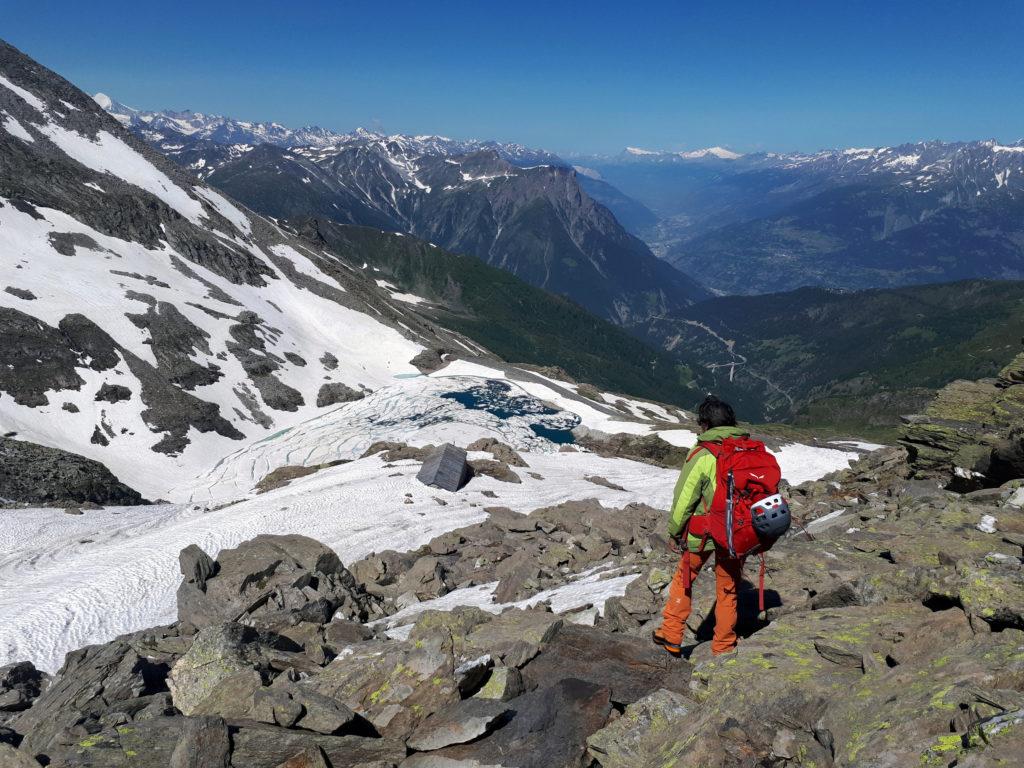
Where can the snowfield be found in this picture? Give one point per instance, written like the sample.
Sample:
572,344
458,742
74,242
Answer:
67,581
111,571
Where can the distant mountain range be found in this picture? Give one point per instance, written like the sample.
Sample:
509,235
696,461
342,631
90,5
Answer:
851,218
518,209
168,124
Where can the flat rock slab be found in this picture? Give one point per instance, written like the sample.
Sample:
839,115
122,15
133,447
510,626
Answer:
631,667
462,722
548,729
268,747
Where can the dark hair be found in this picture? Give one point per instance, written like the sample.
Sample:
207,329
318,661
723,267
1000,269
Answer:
715,413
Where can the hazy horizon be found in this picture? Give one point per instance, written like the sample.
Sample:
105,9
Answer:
791,77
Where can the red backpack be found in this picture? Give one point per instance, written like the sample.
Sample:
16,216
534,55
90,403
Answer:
747,515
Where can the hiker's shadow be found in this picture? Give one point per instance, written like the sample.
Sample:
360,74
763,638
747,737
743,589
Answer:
747,622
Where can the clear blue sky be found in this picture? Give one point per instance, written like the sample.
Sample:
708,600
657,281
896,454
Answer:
581,76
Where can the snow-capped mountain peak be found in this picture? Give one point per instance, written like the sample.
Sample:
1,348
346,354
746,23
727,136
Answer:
720,152
156,126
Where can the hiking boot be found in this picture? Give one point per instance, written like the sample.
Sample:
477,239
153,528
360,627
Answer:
674,649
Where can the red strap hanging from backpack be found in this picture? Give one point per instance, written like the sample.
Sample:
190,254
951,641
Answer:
760,585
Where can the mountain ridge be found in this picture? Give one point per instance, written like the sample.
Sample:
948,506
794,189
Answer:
536,221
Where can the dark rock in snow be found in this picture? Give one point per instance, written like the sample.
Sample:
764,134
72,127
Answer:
113,393
336,392
274,582
21,293
445,468
35,474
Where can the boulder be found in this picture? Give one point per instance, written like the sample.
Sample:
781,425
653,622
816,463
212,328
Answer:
13,758
204,743
271,581
426,579
503,684
548,729
260,746
499,450
630,668
220,673
499,470
20,685
634,739
310,757
394,685
459,723
294,706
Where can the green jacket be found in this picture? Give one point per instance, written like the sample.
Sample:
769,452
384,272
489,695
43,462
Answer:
695,487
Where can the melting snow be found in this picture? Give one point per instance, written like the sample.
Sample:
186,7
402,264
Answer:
29,98
16,129
225,208
108,154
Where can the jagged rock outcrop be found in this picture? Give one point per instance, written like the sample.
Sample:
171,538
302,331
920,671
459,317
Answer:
972,434
35,474
270,582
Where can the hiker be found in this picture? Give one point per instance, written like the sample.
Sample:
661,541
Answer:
705,497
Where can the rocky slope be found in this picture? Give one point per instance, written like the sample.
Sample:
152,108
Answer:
40,476
893,636
971,436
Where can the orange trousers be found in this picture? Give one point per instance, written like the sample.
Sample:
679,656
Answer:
728,572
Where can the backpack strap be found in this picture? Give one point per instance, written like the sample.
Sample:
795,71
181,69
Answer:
760,586
713,448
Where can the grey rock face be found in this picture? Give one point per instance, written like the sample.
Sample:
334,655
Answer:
20,685
119,677
462,722
219,674
549,729
204,743
631,740
35,474
335,392
269,582
13,758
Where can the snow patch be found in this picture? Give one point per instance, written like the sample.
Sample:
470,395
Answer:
29,98
109,154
